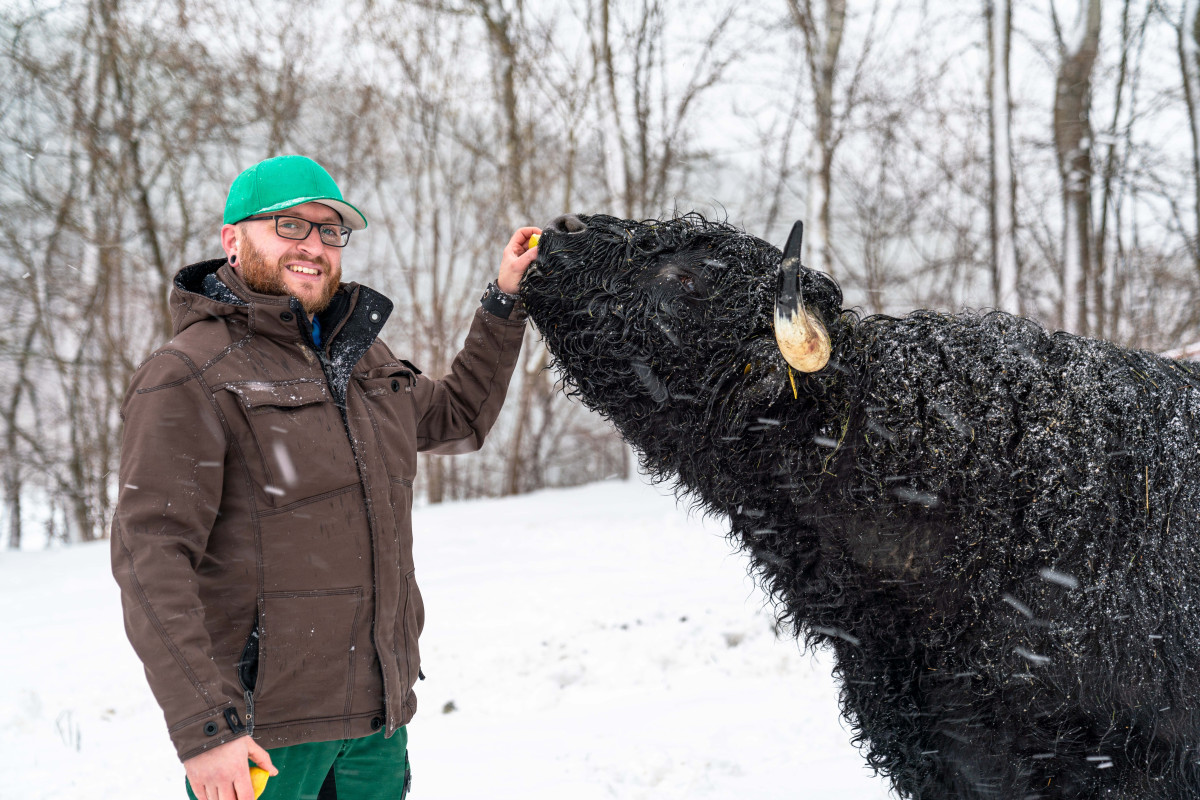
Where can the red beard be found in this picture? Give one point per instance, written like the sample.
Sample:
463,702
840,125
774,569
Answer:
266,278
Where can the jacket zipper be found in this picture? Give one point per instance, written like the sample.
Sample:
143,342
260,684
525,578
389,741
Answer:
325,361
249,712
248,660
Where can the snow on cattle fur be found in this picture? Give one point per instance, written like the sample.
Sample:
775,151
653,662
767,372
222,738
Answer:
996,529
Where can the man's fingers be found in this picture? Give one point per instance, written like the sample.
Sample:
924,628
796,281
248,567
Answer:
519,242
204,789
516,268
529,234
261,757
516,258
226,788
242,788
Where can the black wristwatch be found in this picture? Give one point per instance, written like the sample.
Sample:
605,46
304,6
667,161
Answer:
498,302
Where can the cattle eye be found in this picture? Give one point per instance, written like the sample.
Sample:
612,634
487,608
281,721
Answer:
679,277
675,281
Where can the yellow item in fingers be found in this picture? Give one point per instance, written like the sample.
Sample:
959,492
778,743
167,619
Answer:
533,240
258,779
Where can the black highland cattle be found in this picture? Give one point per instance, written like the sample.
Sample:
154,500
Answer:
995,528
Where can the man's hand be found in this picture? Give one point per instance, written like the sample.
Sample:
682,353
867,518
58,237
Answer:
223,773
517,257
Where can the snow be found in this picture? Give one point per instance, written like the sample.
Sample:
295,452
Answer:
1189,352
599,642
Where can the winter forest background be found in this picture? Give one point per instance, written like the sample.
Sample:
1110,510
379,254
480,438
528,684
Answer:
1041,156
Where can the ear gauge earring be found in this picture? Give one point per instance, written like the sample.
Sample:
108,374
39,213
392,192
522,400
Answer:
233,259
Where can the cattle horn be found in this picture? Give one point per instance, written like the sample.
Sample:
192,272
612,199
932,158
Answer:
801,336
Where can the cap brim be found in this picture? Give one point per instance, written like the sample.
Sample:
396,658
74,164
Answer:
352,218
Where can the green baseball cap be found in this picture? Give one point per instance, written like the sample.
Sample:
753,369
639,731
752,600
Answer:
285,181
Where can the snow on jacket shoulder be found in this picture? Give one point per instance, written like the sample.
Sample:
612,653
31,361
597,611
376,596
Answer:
262,540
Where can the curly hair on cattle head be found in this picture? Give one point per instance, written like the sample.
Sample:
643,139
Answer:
993,527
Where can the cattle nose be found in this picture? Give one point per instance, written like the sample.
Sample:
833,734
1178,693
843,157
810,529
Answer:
567,223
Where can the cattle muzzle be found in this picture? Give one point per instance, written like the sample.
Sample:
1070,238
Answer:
565,223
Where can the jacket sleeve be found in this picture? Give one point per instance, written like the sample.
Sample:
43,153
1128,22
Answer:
172,462
455,413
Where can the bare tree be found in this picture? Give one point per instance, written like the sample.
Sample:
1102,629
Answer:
822,26
1108,283
99,148
1002,204
454,121
837,86
1078,45
646,118
1187,37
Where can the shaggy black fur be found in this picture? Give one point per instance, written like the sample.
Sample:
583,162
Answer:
996,529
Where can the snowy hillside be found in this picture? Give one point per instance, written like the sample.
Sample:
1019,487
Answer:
589,643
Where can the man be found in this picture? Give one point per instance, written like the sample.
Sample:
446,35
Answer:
262,537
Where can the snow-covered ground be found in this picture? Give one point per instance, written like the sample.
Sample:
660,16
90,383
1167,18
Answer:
598,642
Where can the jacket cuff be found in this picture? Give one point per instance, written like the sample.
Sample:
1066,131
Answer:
205,731
499,303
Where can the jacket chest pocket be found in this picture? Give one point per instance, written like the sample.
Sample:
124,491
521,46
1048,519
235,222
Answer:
388,395
297,439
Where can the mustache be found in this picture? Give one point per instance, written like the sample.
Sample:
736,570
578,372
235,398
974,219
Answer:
296,255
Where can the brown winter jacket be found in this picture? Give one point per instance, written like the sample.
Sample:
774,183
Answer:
262,539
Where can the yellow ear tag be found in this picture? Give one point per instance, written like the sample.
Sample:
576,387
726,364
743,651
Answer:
533,240
792,378
258,779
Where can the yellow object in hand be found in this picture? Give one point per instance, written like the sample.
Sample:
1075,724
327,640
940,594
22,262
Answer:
258,779
533,240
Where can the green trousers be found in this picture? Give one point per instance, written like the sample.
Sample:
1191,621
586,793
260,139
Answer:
370,768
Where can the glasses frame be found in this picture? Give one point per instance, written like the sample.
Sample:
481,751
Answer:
343,240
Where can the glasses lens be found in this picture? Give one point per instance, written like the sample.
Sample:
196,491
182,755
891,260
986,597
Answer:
292,227
334,235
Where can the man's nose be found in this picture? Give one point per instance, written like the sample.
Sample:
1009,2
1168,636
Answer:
313,242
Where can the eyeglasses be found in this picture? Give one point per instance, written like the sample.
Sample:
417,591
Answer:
296,228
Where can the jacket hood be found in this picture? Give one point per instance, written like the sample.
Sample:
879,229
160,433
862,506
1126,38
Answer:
209,289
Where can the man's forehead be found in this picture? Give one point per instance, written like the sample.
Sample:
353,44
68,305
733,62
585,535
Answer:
314,212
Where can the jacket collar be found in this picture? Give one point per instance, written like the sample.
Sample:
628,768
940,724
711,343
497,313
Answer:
280,317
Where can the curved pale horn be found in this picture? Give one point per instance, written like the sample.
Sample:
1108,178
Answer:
801,336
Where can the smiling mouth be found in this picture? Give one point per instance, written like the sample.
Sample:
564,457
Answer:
303,270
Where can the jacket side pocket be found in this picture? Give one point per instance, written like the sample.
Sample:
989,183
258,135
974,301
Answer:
306,655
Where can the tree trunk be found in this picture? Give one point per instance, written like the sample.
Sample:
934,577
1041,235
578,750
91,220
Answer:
435,479
522,449
823,42
499,24
617,168
13,463
1002,205
1188,47
1106,295
1072,145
